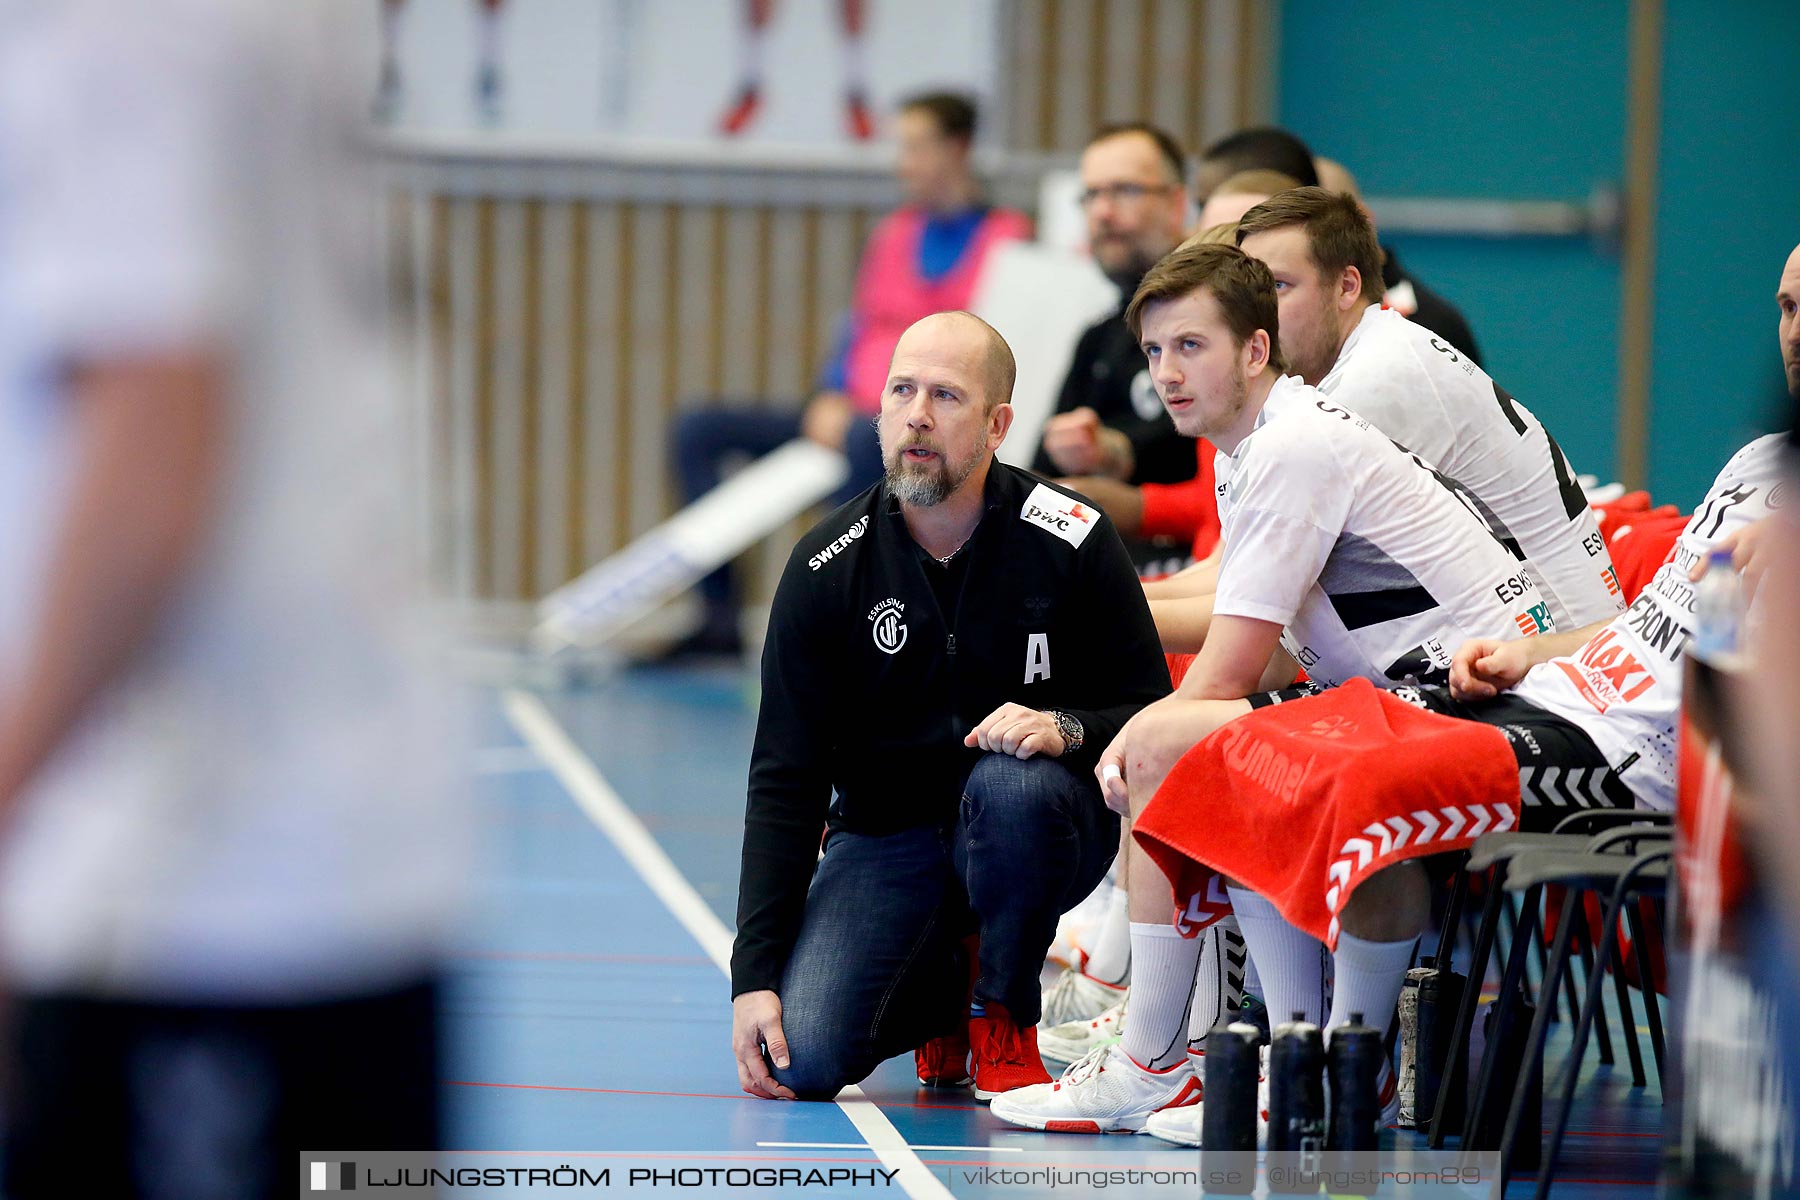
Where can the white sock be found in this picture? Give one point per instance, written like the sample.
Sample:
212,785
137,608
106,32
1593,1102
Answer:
856,73
1110,959
1219,982
1368,980
1289,964
1162,982
488,37
751,41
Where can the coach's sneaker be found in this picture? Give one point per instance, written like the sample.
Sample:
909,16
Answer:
1072,1040
1078,996
1006,1053
943,1062
1182,1125
1106,1092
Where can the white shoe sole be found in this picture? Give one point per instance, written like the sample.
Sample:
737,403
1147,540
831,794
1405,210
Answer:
1173,1138
1070,1124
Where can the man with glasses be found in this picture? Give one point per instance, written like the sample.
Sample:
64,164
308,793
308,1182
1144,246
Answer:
1108,421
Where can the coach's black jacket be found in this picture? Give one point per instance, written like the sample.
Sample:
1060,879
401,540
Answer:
869,689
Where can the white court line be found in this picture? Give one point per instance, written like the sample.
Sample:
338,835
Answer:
505,760
597,798
861,1146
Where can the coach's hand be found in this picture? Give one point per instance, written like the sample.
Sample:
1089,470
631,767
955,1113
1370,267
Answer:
755,1023
1484,667
1019,731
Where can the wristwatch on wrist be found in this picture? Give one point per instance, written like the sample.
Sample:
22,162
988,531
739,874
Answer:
1072,732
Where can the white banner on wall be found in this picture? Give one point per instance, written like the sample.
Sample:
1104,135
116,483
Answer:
755,72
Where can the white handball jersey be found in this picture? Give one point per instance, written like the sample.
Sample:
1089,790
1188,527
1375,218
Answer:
266,805
1623,687
1425,394
1375,564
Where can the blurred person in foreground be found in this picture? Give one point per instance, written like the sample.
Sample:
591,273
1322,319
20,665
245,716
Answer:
231,835
924,257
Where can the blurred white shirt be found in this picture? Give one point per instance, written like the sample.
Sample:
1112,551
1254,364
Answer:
268,805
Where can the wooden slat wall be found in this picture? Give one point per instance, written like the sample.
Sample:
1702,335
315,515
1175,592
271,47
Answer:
555,342
1198,68
557,329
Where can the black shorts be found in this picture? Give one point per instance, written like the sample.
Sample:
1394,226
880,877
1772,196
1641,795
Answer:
153,1099
1560,769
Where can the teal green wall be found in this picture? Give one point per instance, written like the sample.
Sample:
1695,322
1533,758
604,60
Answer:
1527,101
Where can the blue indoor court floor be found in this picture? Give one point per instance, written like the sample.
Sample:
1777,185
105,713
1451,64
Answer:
588,1015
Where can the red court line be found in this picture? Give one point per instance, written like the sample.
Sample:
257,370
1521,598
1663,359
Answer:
702,1156
552,1087
1605,1133
551,956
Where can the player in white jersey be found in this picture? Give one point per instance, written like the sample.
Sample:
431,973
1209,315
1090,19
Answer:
1372,562
1590,715
1622,685
1425,394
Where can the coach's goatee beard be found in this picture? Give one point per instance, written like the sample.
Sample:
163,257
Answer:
924,485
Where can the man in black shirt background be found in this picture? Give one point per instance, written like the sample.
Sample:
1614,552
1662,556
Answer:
1108,420
947,653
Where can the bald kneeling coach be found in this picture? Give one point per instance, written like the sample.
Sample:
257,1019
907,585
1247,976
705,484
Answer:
947,655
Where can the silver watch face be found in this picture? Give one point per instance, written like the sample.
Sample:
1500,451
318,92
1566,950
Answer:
1070,729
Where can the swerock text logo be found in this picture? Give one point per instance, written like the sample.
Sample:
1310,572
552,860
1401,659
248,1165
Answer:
888,630
837,545
331,1177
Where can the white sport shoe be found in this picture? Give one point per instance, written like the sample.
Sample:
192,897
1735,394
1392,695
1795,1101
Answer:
1077,996
1073,1040
1106,1092
1182,1125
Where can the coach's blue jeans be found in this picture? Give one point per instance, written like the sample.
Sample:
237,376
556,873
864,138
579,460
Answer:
706,438
878,967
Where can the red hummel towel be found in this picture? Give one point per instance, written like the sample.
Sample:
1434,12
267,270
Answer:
1303,801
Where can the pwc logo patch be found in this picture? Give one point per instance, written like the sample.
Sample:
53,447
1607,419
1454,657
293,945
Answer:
1068,519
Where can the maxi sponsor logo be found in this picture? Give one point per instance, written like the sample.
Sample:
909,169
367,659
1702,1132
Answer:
1606,672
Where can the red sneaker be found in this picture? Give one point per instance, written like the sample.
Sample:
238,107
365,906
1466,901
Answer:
1006,1053
858,118
943,1062
742,112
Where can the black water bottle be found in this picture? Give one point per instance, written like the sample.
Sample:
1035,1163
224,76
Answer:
1228,1120
1296,1107
1354,1062
1440,995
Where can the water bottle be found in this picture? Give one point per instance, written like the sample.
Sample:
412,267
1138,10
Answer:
1353,1063
1229,1119
1718,612
1296,1107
